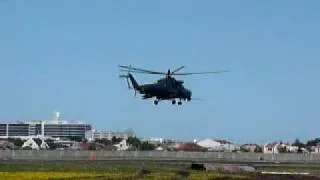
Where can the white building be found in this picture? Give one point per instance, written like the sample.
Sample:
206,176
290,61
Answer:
271,148
291,148
122,146
217,145
33,145
55,128
315,149
153,140
94,134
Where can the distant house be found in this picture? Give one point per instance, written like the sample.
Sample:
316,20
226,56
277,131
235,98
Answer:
249,147
293,149
315,149
122,146
154,141
271,148
159,148
30,143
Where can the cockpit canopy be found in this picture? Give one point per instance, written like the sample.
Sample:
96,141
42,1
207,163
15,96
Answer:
180,82
176,82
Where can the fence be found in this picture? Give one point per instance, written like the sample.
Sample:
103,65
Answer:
157,155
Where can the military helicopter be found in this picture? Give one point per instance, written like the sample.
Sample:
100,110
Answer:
167,88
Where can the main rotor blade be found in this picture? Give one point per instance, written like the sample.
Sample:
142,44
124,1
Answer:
132,68
214,72
138,70
176,70
144,72
123,76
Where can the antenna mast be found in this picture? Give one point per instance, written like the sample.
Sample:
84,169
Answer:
57,116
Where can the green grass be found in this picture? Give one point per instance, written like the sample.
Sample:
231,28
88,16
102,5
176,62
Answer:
119,170
101,170
110,175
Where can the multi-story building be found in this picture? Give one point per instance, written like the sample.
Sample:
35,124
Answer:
41,128
94,134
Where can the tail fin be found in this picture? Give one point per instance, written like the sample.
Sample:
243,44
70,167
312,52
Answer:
134,83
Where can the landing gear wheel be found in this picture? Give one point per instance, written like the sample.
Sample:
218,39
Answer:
155,102
179,103
173,101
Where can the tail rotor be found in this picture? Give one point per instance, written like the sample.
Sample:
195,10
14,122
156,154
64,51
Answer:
127,79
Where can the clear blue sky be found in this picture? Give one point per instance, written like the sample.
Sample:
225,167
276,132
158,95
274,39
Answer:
63,55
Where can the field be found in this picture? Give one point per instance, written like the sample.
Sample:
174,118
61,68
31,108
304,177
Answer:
133,170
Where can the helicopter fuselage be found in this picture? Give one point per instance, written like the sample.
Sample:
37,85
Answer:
163,92
163,89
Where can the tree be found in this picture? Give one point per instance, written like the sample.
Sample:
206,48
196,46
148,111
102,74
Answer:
313,142
51,144
145,146
298,143
134,142
38,141
138,145
16,141
115,140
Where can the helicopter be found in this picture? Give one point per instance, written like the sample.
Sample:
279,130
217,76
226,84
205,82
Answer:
167,88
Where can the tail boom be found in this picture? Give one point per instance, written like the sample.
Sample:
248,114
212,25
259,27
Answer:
134,82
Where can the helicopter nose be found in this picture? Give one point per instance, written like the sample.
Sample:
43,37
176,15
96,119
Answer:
189,95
